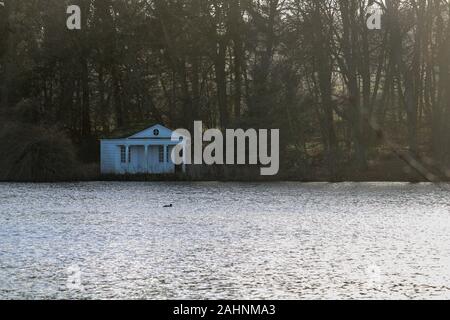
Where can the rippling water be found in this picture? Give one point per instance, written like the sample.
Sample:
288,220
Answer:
224,241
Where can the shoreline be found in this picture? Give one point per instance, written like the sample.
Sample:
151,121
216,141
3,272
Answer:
378,171
120,179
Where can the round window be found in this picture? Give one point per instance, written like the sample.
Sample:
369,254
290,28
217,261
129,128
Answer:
156,132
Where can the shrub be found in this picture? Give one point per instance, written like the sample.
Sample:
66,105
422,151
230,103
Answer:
34,154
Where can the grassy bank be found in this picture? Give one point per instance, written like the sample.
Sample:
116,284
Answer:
387,170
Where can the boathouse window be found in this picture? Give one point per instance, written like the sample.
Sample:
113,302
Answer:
123,154
161,154
168,154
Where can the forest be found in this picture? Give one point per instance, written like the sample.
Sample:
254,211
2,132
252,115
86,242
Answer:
351,103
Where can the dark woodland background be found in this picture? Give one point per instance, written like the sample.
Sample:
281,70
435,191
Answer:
351,103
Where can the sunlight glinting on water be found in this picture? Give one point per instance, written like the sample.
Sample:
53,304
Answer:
224,240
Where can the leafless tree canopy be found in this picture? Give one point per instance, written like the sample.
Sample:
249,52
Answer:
343,96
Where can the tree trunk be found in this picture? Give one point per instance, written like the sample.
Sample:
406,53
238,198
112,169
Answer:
221,82
85,108
5,53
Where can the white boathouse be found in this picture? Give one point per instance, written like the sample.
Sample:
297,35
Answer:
146,152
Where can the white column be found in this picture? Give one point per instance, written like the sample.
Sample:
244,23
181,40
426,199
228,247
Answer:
184,156
127,157
165,157
146,158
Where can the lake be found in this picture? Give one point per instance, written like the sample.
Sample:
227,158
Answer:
224,241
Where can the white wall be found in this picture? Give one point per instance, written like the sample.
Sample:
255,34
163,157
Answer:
108,153
110,162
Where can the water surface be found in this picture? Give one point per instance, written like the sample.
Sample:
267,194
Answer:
225,241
